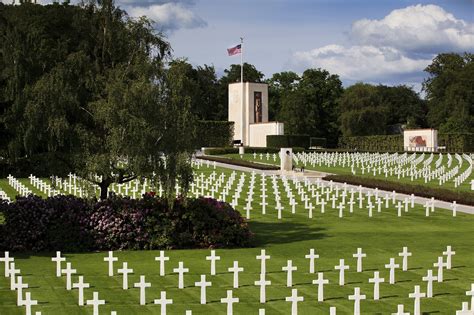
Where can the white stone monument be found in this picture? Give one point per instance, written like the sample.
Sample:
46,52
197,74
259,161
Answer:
286,159
250,115
423,140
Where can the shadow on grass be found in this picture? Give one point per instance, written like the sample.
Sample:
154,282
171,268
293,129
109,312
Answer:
284,232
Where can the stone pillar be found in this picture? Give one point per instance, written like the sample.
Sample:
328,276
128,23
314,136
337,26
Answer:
286,159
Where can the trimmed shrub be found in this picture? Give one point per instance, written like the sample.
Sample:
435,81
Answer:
457,142
214,133
461,197
222,151
288,141
318,142
238,162
394,143
68,223
373,143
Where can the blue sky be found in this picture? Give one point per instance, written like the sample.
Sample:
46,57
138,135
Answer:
376,41
388,42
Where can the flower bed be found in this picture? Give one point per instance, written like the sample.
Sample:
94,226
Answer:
68,223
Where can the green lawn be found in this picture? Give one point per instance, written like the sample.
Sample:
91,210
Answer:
338,169
381,237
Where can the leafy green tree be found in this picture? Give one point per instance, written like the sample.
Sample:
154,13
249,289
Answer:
362,111
450,92
87,85
311,108
278,85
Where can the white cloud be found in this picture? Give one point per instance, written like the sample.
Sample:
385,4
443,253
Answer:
419,29
360,62
396,48
169,16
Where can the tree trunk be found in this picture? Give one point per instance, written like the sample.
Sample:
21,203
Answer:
104,190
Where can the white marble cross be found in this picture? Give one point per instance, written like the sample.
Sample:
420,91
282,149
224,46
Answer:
125,271
58,259
289,268
142,285
392,266
262,283
405,254
229,300
341,209
163,301
371,207
213,258
181,271
320,282
7,260
448,253
263,257
440,264
359,255
323,204
110,259
294,299
454,207
400,310
28,303
310,210
357,297
341,267
465,309
429,279
236,269
68,272
311,256
162,258
81,286
332,310
203,284
471,293
279,208
417,295
95,302
376,280
19,286
12,272
399,207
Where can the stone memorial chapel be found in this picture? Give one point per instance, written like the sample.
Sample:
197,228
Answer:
251,125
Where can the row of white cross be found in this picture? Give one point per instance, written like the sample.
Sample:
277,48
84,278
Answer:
17,282
402,165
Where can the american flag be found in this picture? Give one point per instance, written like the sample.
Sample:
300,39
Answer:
235,50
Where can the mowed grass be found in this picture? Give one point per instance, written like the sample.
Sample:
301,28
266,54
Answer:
381,238
339,169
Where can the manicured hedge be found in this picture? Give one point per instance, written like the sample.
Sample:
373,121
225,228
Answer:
463,197
461,142
237,162
318,142
222,151
68,223
288,141
392,143
214,133
372,143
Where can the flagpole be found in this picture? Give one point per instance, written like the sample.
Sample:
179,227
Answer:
242,127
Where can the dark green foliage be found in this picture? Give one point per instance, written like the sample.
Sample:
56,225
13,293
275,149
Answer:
278,85
239,162
457,142
318,142
288,141
373,143
450,93
460,197
214,133
394,143
68,223
311,107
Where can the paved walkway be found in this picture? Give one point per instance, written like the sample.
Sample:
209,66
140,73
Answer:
313,176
